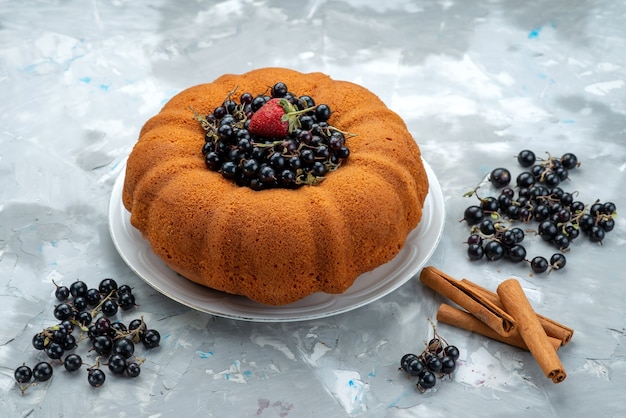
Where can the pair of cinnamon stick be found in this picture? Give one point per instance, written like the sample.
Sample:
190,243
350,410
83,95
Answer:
506,316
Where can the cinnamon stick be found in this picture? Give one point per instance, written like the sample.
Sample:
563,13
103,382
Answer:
552,328
461,319
474,302
534,336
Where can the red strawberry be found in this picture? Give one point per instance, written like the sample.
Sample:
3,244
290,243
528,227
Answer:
275,119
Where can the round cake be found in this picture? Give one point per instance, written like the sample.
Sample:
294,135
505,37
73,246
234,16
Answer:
281,244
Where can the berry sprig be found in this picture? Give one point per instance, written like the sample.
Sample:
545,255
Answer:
438,359
537,198
89,310
41,372
272,140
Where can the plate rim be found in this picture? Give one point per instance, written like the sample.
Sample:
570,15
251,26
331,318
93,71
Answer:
434,202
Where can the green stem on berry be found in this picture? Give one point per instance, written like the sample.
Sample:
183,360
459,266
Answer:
331,166
229,94
96,365
268,145
329,129
202,120
440,341
309,179
473,191
135,333
240,116
139,360
94,311
79,325
24,387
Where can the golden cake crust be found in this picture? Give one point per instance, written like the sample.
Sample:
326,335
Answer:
276,246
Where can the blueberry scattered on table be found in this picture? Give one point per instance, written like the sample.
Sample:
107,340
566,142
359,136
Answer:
496,222
88,312
437,359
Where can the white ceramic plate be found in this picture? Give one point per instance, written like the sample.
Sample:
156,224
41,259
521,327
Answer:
368,287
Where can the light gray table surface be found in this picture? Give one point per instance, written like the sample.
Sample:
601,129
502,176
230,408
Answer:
475,81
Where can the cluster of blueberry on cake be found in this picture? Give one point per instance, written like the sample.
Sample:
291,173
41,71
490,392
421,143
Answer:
273,139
